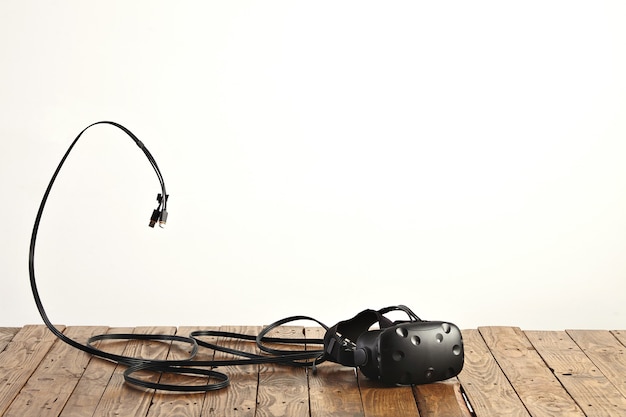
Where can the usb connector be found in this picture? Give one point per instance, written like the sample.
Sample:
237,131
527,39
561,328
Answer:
156,215
159,214
163,218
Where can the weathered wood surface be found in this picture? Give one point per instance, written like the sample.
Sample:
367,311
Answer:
282,390
507,372
19,359
594,392
239,399
485,383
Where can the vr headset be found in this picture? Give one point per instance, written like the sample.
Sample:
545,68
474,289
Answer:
410,351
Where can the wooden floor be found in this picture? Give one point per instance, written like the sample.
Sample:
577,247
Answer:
508,372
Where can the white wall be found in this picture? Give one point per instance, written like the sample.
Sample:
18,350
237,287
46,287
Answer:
463,158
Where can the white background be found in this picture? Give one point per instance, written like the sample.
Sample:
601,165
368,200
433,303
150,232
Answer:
463,158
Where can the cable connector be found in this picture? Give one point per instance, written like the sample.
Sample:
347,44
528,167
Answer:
159,215
156,215
163,219
160,198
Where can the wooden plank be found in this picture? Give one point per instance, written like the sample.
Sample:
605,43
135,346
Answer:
123,400
551,371
283,390
606,352
441,399
489,391
593,392
20,358
620,335
180,404
239,399
380,401
536,385
6,335
333,389
52,383
95,379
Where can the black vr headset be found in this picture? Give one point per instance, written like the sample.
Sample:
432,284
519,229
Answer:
410,351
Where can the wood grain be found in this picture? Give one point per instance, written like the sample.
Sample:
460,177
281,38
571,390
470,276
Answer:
6,335
379,400
91,387
52,383
620,335
20,358
283,390
606,352
123,400
507,372
239,399
333,389
489,391
441,399
165,404
591,390
538,388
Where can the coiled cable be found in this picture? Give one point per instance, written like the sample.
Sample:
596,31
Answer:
188,366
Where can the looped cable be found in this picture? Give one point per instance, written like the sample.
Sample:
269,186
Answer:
161,369
339,341
188,366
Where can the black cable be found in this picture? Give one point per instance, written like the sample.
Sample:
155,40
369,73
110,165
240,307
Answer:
188,366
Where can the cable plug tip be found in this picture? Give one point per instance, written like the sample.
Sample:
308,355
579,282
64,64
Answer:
163,219
156,215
